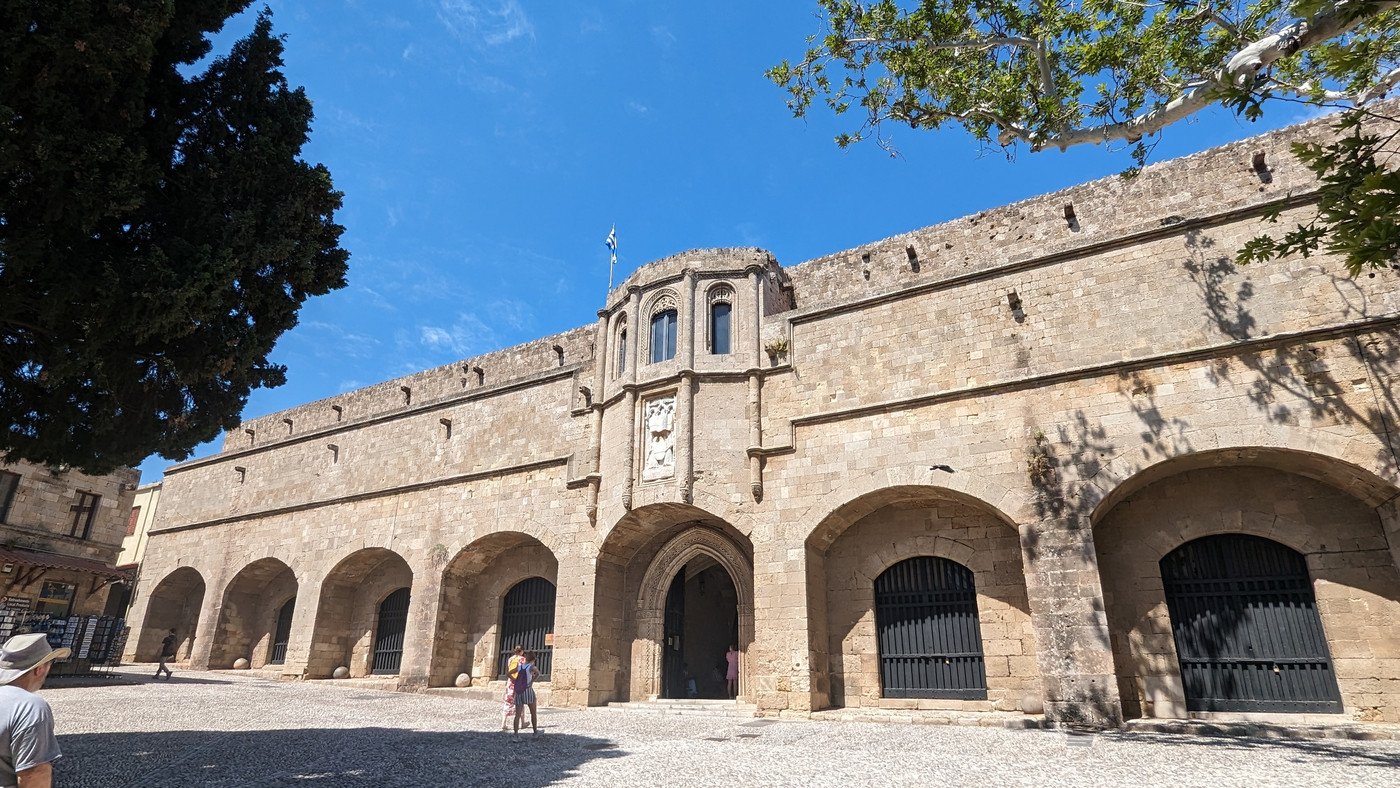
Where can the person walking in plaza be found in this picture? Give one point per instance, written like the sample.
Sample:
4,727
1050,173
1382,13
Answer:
168,647
525,694
517,656
731,674
28,746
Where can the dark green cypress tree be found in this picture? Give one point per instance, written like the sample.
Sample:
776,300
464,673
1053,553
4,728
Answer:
158,232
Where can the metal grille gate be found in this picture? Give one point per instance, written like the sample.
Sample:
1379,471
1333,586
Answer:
673,632
282,634
388,633
527,619
1247,632
929,636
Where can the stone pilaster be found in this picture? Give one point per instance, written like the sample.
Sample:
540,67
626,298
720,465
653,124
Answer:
1070,622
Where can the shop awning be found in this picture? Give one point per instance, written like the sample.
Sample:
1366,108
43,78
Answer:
22,557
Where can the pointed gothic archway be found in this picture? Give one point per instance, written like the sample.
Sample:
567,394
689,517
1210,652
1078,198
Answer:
687,558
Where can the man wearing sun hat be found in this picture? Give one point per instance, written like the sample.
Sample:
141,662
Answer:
28,746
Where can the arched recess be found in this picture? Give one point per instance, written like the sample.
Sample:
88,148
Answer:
1329,516
859,541
247,621
347,610
174,604
474,582
642,554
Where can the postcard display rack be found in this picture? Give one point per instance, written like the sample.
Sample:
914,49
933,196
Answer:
96,642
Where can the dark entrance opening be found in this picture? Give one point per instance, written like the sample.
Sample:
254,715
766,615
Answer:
282,633
1248,636
929,634
702,622
527,619
389,631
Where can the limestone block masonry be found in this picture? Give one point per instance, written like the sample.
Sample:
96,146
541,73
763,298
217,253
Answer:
1052,405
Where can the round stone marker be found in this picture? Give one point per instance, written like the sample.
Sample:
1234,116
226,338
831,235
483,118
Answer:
463,680
240,664
1032,704
341,672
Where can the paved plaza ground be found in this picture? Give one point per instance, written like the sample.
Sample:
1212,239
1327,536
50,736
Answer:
218,729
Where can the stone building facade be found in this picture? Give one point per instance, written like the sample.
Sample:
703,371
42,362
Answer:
61,532
1039,428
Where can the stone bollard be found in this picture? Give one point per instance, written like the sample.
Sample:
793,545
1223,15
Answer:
463,680
1033,704
240,664
341,672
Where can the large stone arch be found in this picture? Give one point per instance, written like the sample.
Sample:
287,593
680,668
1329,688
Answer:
1329,510
624,557
860,495
174,603
347,609
863,537
689,544
467,636
247,617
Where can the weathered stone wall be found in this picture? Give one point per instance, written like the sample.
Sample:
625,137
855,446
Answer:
1025,372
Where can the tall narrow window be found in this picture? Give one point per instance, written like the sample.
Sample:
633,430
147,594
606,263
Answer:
719,328
84,511
622,352
663,336
133,520
9,483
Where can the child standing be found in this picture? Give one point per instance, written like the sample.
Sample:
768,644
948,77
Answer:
517,655
731,675
525,694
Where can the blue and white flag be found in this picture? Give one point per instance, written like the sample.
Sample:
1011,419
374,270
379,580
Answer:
611,243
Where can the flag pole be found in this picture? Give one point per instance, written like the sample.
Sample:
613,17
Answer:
611,243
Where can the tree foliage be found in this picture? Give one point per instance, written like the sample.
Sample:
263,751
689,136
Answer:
158,231
1057,73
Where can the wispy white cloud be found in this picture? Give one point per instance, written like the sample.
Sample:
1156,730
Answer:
467,336
663,35
592,22
637,107
516,315
491,24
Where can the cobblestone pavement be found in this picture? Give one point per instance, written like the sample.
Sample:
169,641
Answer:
237,730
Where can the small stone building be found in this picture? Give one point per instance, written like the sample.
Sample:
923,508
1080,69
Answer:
60,533
1061,458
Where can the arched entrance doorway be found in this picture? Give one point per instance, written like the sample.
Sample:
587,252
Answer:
352,627
701,623
174,604
1248,636
694,602
1185,633
497,591
283,634
248,617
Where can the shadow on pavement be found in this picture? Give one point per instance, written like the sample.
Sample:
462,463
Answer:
1357,753
114,679
321,757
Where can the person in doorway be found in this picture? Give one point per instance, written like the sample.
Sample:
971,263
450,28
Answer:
517,656
731,674
28,746
525,694
168,646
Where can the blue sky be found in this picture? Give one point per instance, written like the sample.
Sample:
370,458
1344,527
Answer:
486,147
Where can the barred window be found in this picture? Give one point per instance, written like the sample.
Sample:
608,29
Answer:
84,512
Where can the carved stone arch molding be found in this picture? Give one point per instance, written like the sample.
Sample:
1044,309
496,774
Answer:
721,293
651,604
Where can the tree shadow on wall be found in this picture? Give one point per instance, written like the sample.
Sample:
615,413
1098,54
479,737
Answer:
322,757
1291,379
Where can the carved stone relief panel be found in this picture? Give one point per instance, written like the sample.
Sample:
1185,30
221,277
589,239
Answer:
659,438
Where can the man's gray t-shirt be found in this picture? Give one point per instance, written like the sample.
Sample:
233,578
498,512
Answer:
28,739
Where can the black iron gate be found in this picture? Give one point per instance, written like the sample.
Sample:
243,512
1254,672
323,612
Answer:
282,634
388,633
527,619
929,636
1247,632
672,657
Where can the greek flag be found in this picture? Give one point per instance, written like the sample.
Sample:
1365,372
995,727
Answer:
611,243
